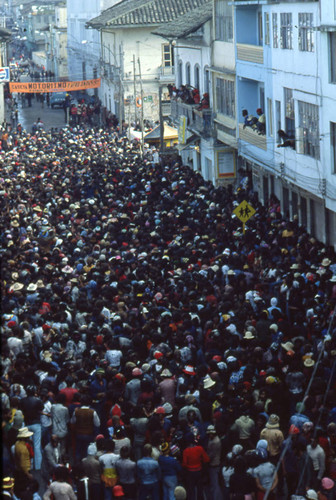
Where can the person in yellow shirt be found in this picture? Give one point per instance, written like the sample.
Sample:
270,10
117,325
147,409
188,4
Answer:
23,453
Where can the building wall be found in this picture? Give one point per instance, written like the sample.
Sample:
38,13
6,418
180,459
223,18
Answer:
123,45
295,175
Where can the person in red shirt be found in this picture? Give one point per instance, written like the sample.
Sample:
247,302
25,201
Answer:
69,391
194,461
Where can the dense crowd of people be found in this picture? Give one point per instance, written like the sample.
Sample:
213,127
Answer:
150,347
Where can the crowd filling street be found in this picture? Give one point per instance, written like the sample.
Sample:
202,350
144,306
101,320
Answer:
152,349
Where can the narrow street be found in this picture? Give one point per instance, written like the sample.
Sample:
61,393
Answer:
52,118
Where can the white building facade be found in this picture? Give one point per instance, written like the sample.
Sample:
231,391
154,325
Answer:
83,45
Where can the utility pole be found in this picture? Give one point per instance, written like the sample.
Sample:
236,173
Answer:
161,121
135,97
121,90
142,113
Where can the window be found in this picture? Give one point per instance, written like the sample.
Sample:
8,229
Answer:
333,146
332,51
187,74
260,28
286,31
277,116
289,113
225,164
225,97
197,77
308,132
306,33
275,30
167,55
224,25
270,117
267,29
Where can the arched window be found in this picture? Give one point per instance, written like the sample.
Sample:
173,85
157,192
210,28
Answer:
188,74
197,77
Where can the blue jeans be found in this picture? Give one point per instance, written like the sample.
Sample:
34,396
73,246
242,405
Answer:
169,484
152,490
36,429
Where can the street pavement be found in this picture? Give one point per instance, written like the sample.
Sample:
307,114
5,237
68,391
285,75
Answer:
52,118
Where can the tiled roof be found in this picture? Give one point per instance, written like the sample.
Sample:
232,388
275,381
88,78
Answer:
144,12
186,24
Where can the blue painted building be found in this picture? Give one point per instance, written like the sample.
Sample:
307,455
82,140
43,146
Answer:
286,66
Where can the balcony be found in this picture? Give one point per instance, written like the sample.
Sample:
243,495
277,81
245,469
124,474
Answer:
198,120
166,74
250,53
252,137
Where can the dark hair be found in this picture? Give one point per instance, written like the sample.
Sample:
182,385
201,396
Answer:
124,452
109,445
61,474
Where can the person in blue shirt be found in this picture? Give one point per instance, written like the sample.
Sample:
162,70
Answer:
149,475
170,468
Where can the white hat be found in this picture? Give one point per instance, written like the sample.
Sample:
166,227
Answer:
312,495
24,432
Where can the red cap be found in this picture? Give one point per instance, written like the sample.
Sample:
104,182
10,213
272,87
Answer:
118,491
160,410
294,430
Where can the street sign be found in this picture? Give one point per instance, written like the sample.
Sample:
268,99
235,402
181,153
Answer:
244,212
4,74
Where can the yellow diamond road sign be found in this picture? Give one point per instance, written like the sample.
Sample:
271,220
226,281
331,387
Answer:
244,211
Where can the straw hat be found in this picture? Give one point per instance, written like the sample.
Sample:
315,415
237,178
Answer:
16,287
208,382
249,335
24,432
288,346
309,363
7,483
326,262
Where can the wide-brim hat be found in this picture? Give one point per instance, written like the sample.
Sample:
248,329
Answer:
16,287
208,382
326,262
309,363
333,279
273,422
211,430
32,287
24,432
166,373
249,336
288,346
7,483
189,370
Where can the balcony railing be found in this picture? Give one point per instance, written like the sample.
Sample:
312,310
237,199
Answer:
250,53
167,74
251,136
198,120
